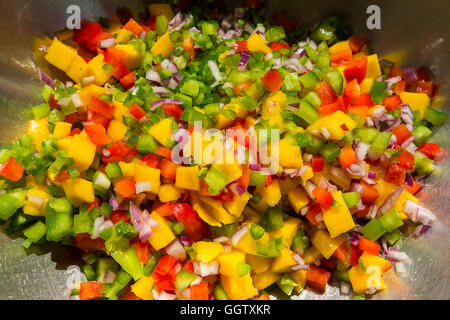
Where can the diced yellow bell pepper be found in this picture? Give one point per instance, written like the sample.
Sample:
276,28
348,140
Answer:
298,199
339,47
120,111
95,68
332,123
287,231
264,279
366,85
362,281
116,130
369,259
417,101
271,109
128,168
163,46
228,262
147,174
207,251
158,9
161,235
62,129
255,43
33,209
162,131
373,67
311,255
322,241
82,151
123,35
238,288
87,92
143,288
38,130
271,194
211,211
168,192
236,207
60,55
133,58
337,218
284,262
187,178
299,276
249,245
259,264
290,155
289,184
77,69
78,191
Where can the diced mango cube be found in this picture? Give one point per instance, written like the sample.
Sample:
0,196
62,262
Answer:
162,131
256,43
250,245
284,262
337,218
289,184
298,199
161,235
77,69
38,130
257,263
87,92
369,259
133,58
299,276
163,46
333,124
147,174
228,262
290,155
287,231
236,207
116,130
271,194
187,178
311,255
60,55
210,210
366,85
238,288
264,279
362,281
168,192
78,191
373,67
143,288
207,251
37,207
82,151
62,129
95,67
322,241
128,168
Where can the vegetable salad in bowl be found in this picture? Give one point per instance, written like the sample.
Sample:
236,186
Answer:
325,147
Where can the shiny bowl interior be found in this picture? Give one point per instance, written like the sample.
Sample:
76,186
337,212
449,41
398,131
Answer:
413,33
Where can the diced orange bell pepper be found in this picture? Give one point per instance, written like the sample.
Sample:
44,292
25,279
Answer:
126,187
347,157
12,170
97,134
369,246
168,169
317,278
200,291
143,251
91,290
324,198
401,133
133,26
128,80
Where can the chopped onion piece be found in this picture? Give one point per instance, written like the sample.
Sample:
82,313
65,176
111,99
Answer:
239,234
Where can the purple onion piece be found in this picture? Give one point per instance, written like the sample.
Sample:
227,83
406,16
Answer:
409,180
46,79
162,101
410,74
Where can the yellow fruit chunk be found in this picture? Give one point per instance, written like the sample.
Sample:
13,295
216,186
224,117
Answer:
322,241
62,129
417,101
373,67
255,43
298,199
87,92
250,245
299,276
147,174
258,264
78,191
398,205
161,235
362,281
38,130
211,211
366,85
333,124
369,259
187,178
284,262
133,58
290,155
82,151
120,111
35,203
143,288
264,279
311,255
337,218
77,69
116,130
161,9
339,47
289,184
271,109
162,131
207,251
271,194
229,261
287,231
163,46
95,67
60,55
168,192
251,215
238,204
128,169
123,35
238,288
231,171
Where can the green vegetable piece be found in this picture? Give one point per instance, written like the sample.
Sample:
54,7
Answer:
58,218
286,284
381,142
36,231
219,293
41,111
422,164
316,146
184,279
129,261
335,79
422,134
113,170
378,91
275,34
10,202
256,231
391,220
393,237
162,25
300,242
307,112
309,79
434,116
366,135
152,263
330,152
122,279
341,276
313,99
351,198
103,265
272,219
374,229
243,269
89,272
257,178
216,180
146,143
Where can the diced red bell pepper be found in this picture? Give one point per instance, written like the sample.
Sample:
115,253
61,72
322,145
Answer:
151,160
352,91
143,251
399,87
128,80
329,109
369,193
401,133
164,283
150,23
91,290
12,170
126,187
165,265
137,112
356,42
326,93
392,102
422,74
429,149
317,164
121,150
114,56
53,103
281,20
427,87
101,107
369,246
406,160
243,86
240,46
278,46
89,35
193,225
268,180
342,253
168,169
224,196
329,264
119,71
355,253
396,174
341,57
356,70
189,266
324,198
317,278
164,152
119,215
87,244
396,72
173,110
364,100
165,209
312,214
133,26
199,291
97,134
272,80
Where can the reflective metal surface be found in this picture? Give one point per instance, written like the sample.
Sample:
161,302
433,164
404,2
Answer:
412,33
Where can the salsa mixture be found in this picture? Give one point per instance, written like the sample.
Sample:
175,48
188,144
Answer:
96,167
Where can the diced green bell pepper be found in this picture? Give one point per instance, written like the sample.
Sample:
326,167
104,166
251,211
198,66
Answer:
393,237
309,79
422,134
381,142
216,180
275,34
300,242
219,293
10,202
103,265
184,279
391,220
316,146
119,283
434,116
272,219
374,229
35,232
307,112
330,152
257,178
129,261
58,218
351,198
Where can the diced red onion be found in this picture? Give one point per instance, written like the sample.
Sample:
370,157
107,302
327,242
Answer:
354,239
400,269
309,187
99,225
245,57
294,65
420,230
185,241
408,141
394,255
109,277
175,81
160,90
298,53
46,79
237,189
369,122
239,234
167,64
221,239
357,169
163,296
175,249
143,186
372,213
410,74
197,280
254,167
378,112
390,200
393,125
114,203
325,184
371,175
369,181
153,76
409,180
162,101
176,20
206,269
301,265
87,80
418,213
361,150
108,43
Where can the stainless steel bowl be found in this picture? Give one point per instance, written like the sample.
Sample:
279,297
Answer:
413,32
